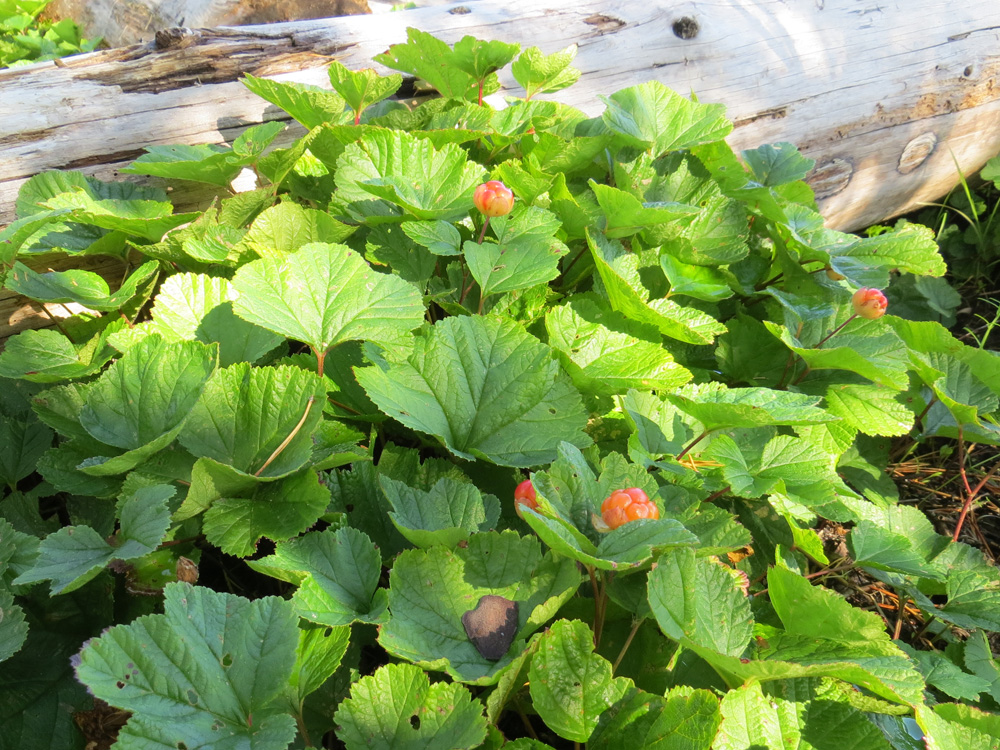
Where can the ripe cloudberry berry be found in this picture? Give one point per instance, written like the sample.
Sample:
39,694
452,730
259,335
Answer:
869,303
627,505
524,495
493,198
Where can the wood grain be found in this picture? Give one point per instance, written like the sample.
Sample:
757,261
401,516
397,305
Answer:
886,95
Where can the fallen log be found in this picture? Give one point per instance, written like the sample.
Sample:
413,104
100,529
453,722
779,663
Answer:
887,99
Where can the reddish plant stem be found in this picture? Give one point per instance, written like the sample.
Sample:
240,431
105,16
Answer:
835,331
692,444
320,360
971,493
482,234
802,377
717,494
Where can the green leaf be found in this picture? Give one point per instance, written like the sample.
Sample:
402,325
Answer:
83,287
953,725
205,672
716,236
147,394
319,654
941,672
408,172
362,88
209,163
486,389
58,466
619,274
659,428
289,227
40,690
447,514
871,409
570,685
196,307
979,660
440,237
632,545
337,573
75,554
276,510
626,215
605,353
777,164
793,714
13,628
787,466
23,441
683,719
324,295
910,247
955,386
142,218
47,356
38,189
716,406
480,58
430,590
869,348
545,74
246,412
973,600
526,252
434,61
398,709
309,105
701,282
700,602
877,547
652,117
13,236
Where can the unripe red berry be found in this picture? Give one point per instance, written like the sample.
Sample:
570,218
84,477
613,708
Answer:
869,303
627,505
524,495
493,198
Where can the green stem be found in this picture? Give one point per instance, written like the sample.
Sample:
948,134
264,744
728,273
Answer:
302,729
628,642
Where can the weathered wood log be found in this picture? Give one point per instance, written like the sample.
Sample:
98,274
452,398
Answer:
881,95
124,22
886,97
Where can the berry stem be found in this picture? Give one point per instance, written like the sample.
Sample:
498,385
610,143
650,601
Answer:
483,233
834,331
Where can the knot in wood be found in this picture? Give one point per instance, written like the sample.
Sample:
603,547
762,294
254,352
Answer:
175,38
916,152
685,27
